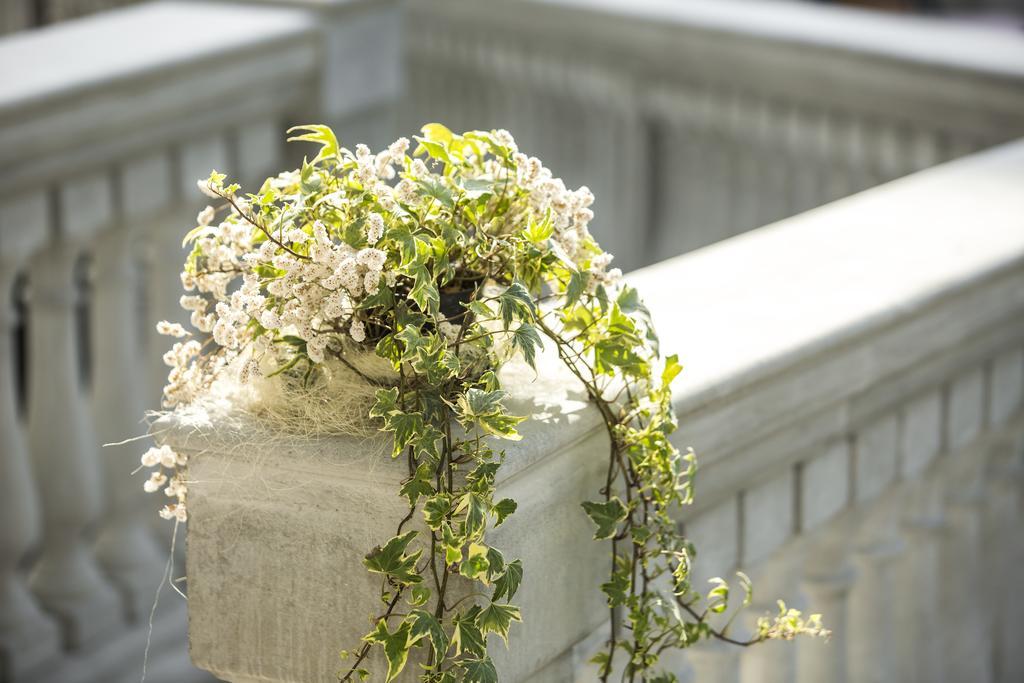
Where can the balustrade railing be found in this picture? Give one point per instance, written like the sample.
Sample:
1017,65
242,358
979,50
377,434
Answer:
693,121
105,124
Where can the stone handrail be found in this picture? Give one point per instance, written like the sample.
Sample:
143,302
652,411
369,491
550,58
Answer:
854,387
693,121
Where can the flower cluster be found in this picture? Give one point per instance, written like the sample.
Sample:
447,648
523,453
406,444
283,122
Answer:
308,266
164,464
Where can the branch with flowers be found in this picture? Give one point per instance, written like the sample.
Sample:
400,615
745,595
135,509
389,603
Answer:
446,264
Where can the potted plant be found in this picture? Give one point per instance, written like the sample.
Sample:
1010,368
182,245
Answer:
390,294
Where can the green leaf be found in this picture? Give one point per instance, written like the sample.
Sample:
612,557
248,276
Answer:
495,563
418,485
435,510
406,426
425,625
476,513
671,371
515,302
392,561
502,509
435,189
420,595
396,646
475,565
466,636
577,285
507,584
748,588
437,132
498,619
718,597
317,133
386,403
527,340
452,545
616,588
479,671
424,291
538,232
606,516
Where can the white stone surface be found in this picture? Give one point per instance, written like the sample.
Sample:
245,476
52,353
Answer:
716,534
145,188
86,206
966,409
875,456
1006,385
29,638
825,485
768,517
921,433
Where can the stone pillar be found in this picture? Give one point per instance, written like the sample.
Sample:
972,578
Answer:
872,653
714,662
923,527
64,445
28,638
66,577
967,640
126,548
818,660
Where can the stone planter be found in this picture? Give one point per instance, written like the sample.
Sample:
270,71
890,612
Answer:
278,528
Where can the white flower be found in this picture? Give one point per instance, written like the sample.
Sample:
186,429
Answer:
371,282
374,228
357,330
171,329
316,346
167,511
206,216
270,319
204,186
168,458
193,303
151,457
371,258
505,139
155,482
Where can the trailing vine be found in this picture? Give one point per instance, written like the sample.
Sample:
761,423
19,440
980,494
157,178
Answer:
447,264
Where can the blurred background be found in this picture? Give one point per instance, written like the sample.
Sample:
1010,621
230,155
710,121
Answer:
692,121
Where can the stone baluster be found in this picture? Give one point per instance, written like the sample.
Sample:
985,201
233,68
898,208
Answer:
126,549
872,653
818,660
770,555
966,638
871,647
195,160
28,638
825,576
713,661
923,527
1004,543
66,576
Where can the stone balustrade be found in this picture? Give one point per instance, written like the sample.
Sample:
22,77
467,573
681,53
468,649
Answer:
854,388
693,121
106,122
105,125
